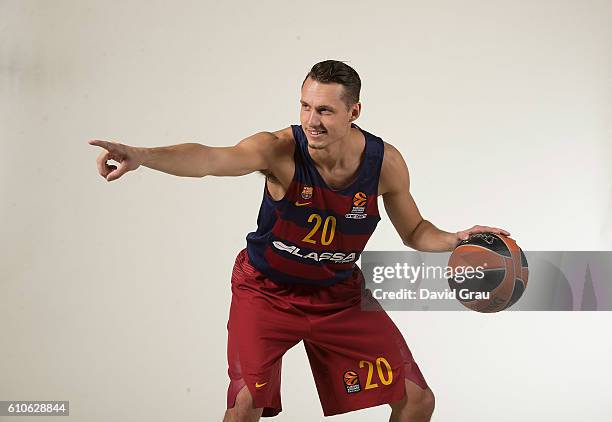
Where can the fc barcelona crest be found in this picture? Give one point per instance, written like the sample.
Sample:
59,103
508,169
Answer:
307,192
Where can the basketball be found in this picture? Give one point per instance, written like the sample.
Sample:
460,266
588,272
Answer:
489,272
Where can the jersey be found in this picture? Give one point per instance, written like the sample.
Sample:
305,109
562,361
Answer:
315,234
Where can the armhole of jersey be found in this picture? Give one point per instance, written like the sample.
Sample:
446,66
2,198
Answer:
379,172
267,192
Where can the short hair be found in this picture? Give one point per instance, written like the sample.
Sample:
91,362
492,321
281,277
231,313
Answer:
334,71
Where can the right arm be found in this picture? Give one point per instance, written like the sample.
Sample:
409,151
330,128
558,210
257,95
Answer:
258,152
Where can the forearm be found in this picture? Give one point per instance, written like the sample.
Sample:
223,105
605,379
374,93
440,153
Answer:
186,160
428,238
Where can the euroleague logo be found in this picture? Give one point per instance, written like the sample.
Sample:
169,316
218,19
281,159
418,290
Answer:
351,382
360,199
358,210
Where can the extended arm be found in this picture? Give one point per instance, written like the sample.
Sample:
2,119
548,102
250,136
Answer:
258,152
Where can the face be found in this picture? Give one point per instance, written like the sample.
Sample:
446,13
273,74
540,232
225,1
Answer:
323,114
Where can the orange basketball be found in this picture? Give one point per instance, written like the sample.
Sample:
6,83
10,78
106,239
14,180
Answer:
500,272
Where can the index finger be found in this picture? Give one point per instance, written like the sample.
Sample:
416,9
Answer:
103,144
502,231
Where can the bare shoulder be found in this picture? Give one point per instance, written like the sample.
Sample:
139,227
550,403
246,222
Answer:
268,140
392,157
269,145
285,133
394,172
284,143
279,150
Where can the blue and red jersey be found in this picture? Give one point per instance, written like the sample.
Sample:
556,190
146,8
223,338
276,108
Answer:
315,234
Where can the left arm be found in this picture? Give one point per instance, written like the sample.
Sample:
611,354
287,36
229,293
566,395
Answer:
415,232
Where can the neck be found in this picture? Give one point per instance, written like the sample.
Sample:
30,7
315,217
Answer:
339,154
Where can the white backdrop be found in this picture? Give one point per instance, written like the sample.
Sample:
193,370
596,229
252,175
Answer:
115,296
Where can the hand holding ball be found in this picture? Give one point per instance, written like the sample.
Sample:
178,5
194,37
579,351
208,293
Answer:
500,275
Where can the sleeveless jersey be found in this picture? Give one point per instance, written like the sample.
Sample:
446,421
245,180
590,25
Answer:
314,234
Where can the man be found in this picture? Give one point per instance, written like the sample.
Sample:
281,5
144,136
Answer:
297,279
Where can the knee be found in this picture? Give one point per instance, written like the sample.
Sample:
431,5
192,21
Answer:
244,400
428,403
422,405
418,405
243,409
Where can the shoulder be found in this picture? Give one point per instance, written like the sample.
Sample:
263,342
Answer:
394,172
392,155
286,133
284,143
274,145
279,149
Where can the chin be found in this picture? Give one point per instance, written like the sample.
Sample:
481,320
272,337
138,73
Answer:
316,145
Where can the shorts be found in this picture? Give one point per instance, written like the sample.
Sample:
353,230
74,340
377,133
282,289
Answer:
358,358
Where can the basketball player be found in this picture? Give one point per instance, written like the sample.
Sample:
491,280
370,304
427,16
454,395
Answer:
297,280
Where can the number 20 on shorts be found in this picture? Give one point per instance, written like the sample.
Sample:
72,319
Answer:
385,379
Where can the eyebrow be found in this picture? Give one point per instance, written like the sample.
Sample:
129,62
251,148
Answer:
323,106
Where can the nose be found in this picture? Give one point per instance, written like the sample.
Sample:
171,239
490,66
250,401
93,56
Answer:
313,119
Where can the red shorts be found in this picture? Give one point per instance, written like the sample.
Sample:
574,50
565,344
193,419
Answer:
358,358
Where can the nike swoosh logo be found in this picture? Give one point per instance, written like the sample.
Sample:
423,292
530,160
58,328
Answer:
258,385
298,204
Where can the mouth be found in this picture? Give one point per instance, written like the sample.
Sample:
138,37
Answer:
316,133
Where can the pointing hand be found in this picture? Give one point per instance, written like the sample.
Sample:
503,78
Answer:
129,158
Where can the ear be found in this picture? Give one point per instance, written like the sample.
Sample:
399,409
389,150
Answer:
355,111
